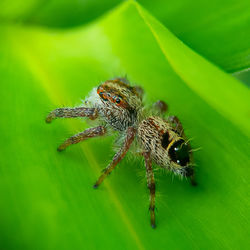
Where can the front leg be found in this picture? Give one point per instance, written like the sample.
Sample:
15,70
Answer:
151,186
92,113
118,156
88,133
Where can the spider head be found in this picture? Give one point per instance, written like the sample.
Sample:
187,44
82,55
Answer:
117,93
120,103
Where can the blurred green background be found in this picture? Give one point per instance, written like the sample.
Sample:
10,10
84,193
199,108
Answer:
194,55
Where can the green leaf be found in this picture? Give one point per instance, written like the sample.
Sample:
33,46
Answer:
243,76
218,30
47,200
54,13
199,75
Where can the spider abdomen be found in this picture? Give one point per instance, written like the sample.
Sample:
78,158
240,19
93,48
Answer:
153,136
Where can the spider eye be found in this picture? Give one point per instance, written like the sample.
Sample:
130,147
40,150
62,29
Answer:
118,100
103,96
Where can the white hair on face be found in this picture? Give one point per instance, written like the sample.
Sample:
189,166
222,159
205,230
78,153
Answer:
93,99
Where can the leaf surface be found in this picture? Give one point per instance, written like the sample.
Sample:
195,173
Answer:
218,30
47,200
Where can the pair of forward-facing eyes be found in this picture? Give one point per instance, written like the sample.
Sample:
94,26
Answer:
107,96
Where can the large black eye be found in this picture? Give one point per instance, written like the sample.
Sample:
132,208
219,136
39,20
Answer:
179,153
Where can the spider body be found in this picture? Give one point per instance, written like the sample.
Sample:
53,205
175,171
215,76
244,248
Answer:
117,105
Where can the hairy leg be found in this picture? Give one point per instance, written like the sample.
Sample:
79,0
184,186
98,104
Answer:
140,91
88,133
193,180
161,107
71,113
151,186
118,156
177,125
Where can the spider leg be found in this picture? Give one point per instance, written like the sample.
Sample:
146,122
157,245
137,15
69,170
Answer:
139,90
92,113
193,180
88,133
151,186
161,107
118,156
177,125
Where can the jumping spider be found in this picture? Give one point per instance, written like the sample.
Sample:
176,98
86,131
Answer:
117,106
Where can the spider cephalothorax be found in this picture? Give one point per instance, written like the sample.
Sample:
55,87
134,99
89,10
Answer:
118,105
